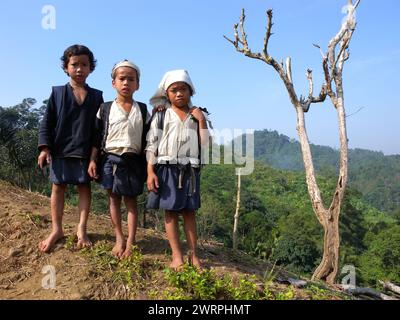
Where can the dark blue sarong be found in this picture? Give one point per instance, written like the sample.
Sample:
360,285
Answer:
124,175
179,188
69,171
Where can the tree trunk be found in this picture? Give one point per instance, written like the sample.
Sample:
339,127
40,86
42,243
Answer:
329,218
236,217
329,265
333,62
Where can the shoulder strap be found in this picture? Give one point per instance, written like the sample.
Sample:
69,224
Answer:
105,114
143,111
145,127
198,139
161,116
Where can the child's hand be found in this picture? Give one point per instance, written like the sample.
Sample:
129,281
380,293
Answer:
197,114
44,158
92,170
152,182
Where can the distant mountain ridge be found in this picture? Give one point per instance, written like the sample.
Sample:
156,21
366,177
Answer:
375,175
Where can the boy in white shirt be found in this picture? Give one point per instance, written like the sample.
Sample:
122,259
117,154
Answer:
121,133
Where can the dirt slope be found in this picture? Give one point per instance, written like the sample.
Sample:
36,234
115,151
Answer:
25,220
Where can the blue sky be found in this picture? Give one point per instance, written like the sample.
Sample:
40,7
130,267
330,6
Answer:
241,93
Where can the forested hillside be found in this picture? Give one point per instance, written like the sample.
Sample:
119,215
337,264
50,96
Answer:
375,175
277,222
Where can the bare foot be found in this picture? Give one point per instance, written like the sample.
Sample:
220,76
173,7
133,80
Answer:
48,244
176,264
119,249
83,242
193,260
196,262
128,249
83,239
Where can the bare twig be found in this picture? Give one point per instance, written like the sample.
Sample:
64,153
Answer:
33,222
355,112
80,264
320,50
268,33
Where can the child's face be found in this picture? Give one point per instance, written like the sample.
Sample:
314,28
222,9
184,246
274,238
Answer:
78,68
179,94
125,82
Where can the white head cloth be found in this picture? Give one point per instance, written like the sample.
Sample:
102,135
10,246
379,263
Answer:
160,96
125,63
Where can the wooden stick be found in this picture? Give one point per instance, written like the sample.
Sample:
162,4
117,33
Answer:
366,291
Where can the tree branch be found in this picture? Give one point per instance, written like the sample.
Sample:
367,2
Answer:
242,40
347,28
305,104
241,45
328,80
289,69
268,33
320,50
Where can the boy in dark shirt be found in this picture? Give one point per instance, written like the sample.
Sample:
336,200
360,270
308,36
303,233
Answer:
65,138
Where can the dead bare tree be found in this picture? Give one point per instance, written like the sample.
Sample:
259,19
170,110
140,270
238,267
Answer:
332,62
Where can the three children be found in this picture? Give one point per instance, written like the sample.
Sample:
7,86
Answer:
82,138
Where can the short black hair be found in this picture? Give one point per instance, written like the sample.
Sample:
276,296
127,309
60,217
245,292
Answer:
77,50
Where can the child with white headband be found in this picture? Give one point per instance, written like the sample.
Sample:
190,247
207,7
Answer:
173,152
121,132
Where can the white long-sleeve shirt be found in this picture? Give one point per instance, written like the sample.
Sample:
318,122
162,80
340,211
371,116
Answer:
179,141
124,129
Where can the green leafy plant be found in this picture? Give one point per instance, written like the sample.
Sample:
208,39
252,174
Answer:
318,293
130,270
269,277
286,295
199,284
70,242
246,290
192,283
